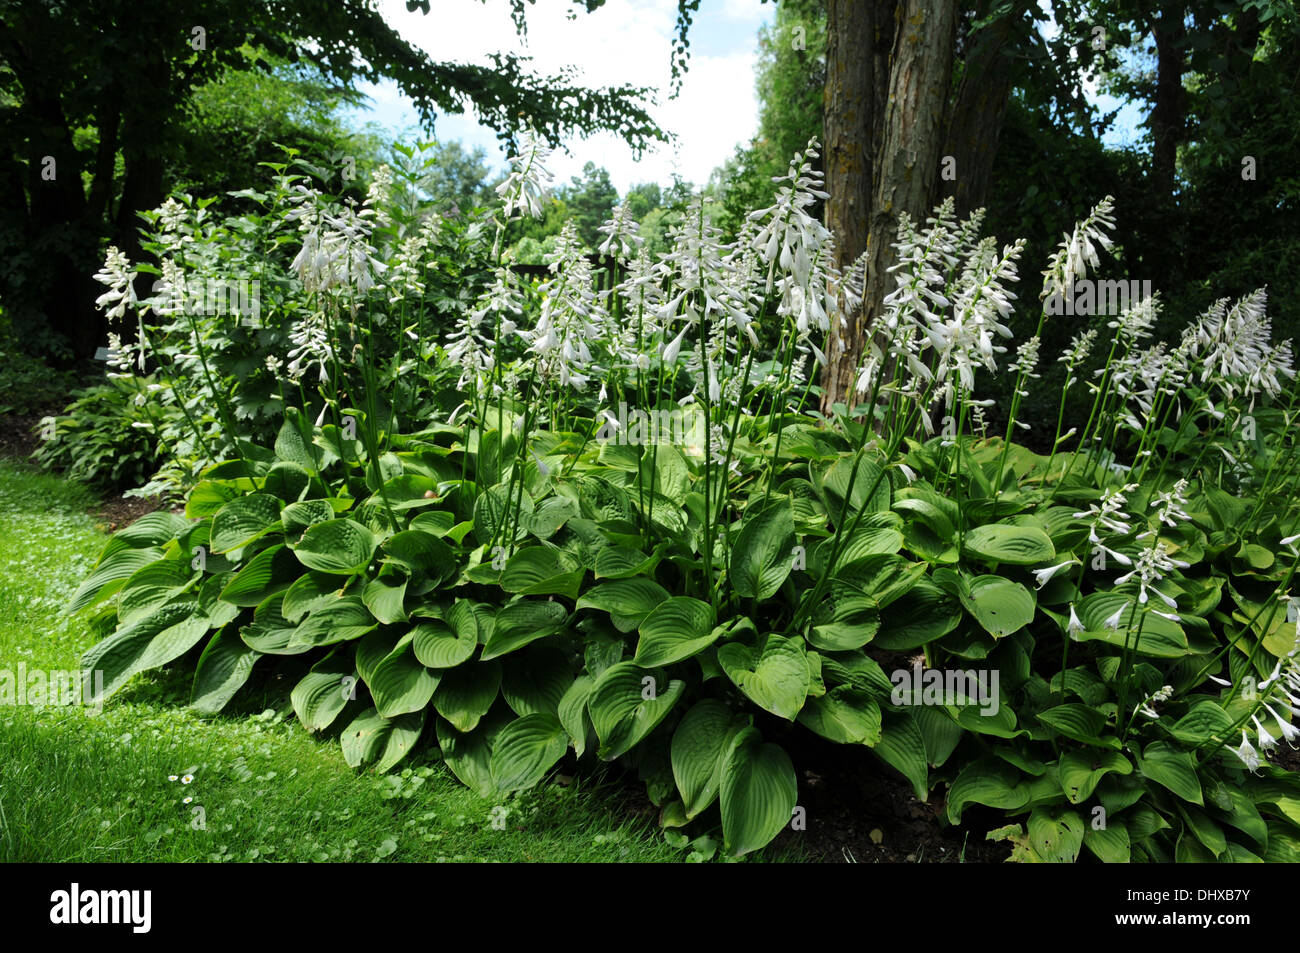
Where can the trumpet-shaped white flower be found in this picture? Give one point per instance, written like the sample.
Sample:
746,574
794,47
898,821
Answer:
620,233
1247,753
116,273
1077,253
526,186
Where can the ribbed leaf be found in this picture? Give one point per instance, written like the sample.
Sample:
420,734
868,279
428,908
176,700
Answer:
775,678
522,622
699,743
243,520
223,669
525,750
340,546
763,557
383,742
676,629
1012,545
759,791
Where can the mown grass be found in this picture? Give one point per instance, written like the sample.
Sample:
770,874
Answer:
76,786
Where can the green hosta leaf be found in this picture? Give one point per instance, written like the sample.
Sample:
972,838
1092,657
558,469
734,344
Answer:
270,632
1204,722
151,586
272,570
110,575
385,597
340,546
541,570
626,704
550,516
153,529
699,743
1111,844
340,621
207,498
775,678
491,509
989,781
676,629
628,601
999,605
1056,837
465,694
1081,771
286,481
223,669
469,754
845,620
522,622
437,645
834,486
165,634
925,614
324,692
525,750
572,711
292,443
622,562
296,517
310,592
1012,545
374,739
400,684
408,491
1080,723
421,551
759,791
535,680
243,520
763,554
1173,769
902,747
844,715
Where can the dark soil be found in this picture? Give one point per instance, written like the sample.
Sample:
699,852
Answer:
19,435
19,438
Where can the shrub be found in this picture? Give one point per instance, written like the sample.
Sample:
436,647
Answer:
689,572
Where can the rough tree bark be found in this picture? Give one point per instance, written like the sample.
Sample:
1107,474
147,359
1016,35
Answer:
902,154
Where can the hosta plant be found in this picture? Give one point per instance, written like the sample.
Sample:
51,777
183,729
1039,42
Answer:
621,534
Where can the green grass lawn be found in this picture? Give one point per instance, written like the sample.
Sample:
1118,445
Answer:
81,787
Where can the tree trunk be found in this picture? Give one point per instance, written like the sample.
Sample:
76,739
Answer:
850,116
905,151
975,121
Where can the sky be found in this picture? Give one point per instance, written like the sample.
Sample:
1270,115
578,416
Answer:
625,41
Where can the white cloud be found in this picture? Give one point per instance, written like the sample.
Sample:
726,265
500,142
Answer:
625,41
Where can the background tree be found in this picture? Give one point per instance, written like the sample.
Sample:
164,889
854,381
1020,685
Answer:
93,97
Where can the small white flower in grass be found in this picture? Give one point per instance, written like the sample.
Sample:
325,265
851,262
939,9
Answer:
187,778
186,800
1247,753
173,777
